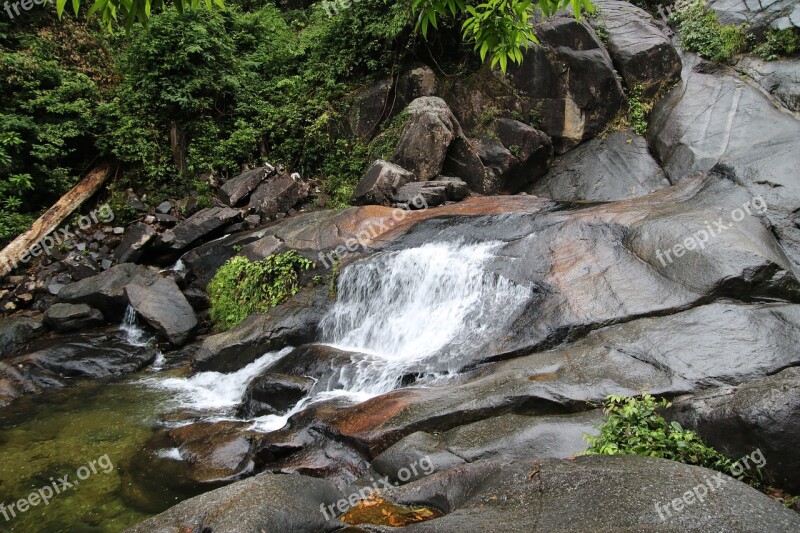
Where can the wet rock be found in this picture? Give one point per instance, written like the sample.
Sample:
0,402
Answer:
369,109
421,195
426,139
132,246
379,185
273,393
495,156
164,207
292,323
533,149
268,503
617,493
640,50
201,225
278,195
779,14
164,307
106,291
569,81
781,79
237,189
762,414
709,120
71,317
615,167
508,437
16,331
84,355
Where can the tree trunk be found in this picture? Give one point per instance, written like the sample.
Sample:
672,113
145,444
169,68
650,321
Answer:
23,245
177,143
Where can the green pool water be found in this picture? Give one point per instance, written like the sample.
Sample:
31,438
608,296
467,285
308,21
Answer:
55,434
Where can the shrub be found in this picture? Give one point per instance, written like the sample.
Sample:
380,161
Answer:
632,426
779,43
702,32
638,110
242,287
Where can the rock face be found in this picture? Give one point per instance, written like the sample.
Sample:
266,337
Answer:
106,291
237,189
763,415
277,195
164,307
379,185
16,331
433,143
269,503
136,238
779,14
569,81
532,149
420,195
273,393
781,79
293,322
201,225
69,317
712,119
616,493
616,167
640,50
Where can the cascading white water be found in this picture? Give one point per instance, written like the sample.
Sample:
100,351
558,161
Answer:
405,307
420,310
135,335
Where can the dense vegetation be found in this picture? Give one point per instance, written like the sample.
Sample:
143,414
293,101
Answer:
242,287
633,426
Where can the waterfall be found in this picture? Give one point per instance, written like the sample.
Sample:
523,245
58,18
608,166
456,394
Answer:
135,335
418,310
426,310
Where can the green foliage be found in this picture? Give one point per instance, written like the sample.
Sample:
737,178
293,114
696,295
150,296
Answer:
779,43
637,111
47,104
702,32
131,10
500,29
633,427
241,287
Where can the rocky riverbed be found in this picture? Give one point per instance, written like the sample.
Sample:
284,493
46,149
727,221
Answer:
464,321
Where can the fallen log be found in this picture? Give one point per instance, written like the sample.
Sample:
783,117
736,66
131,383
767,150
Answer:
24,244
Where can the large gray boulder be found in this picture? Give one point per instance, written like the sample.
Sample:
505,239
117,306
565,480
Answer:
201,225
292,323
777,14
780,79
762,414
163,305
70,317
277,195
718,118
615,167
379,185
640,50
133,244
569,82
433,143
620,493
239,188
16,331
266,503
532,149
106,291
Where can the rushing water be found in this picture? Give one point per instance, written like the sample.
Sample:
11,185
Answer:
419,310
